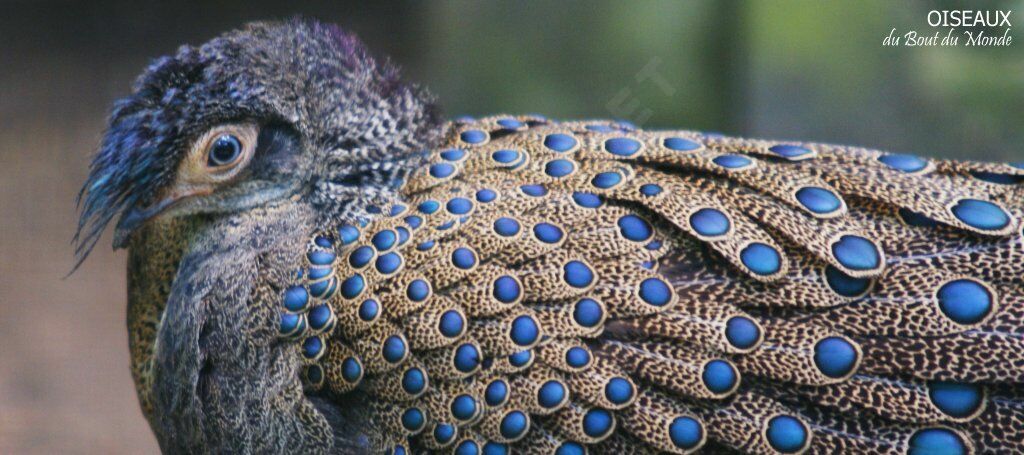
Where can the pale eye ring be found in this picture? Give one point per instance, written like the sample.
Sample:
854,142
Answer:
224,150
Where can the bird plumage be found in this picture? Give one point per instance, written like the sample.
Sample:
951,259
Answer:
667,291
532,286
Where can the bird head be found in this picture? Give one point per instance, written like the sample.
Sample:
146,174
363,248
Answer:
251,118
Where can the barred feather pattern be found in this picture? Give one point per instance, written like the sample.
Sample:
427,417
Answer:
587,287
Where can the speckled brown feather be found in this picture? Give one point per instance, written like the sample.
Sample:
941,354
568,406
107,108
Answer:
859,310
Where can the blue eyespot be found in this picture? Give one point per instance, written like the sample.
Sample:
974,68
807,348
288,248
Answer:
789,151
312,347
680,145
587,313
577,274
413,419
506,227
650,190
547,232
710,222
844,284
618,390
348,234
655,292
786,434
521,358
463,258
761,259
732,161
514,425
413,221
534,190
459,206
451,324
296,298
955,399
453,154
316,273
351,370
510,123
428,207
524,331
719,376
323,289
361,256
742,332
393,350
368,310
577,357
414,380
353,286
441,170
291,323
622,146
635,228
506,289
559,168
467,447
314,374
319,257
551,394
818,200
965,301
570,448
486,195
505,156
463,407
418,290
835,357
320,317
982,215
388,263
403,235
473,136
496,392
936,441
606,180
467,358
686,432
559,142
856,253
903,163
587,200
597,422
443,433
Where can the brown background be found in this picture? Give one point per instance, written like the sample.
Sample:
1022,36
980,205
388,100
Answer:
791,69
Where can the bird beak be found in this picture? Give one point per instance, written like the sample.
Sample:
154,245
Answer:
133,219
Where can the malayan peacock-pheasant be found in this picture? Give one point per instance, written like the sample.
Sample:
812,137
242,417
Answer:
319,263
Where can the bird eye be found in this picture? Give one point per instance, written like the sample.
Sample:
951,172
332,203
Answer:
223,151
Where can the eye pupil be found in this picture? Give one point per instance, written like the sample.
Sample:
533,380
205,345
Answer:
224,150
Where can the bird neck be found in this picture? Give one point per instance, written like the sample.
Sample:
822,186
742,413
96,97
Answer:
153,258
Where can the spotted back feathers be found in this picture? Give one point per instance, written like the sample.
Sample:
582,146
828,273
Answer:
547,287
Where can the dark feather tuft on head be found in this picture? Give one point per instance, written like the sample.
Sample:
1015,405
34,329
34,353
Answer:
315,77
137,154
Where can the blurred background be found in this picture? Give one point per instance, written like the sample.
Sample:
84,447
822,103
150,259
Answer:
779,69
